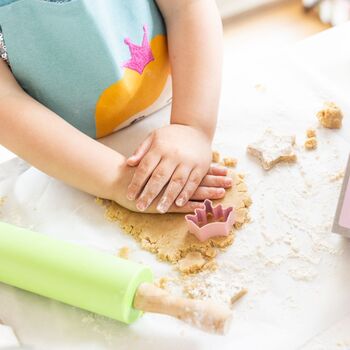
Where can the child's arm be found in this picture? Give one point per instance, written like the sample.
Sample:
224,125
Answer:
46,141
181,154
195,47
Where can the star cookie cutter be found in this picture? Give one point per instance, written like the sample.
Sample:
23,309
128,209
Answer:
210,221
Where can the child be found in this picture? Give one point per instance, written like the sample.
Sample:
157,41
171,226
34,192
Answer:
78,70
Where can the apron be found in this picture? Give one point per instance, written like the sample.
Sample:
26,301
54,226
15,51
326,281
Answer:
99,65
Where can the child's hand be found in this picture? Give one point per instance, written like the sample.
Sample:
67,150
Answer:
175,158
120,189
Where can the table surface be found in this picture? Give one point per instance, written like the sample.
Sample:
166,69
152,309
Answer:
295,269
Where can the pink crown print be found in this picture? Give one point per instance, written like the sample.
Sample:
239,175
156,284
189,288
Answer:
140,55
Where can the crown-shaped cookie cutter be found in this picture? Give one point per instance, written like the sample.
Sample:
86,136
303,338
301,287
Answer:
210,221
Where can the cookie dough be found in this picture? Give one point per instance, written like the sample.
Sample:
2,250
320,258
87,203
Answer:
215,157
330,116
310,143
191,263
167,235
273,148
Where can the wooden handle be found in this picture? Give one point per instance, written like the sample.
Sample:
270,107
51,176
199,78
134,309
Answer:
206,315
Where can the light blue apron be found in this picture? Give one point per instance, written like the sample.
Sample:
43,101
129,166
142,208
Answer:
66,54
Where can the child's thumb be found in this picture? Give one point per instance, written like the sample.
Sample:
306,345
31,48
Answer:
140,152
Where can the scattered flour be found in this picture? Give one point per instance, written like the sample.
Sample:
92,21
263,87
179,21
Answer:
303,273
337,176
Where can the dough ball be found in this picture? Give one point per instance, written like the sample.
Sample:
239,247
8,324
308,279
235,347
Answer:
331,116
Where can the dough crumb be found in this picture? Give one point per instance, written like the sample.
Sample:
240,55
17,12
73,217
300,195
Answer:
99,201
229,162
273,148
2,201
191,263
163,282
260,87
330,116
192,291
311,143
124,252
216,157
310,133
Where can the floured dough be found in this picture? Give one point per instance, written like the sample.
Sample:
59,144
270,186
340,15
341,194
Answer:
167,235
330,116
273,148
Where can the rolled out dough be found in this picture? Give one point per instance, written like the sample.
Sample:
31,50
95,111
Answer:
167,235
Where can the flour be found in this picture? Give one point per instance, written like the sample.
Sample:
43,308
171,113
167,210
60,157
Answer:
283,235
303,273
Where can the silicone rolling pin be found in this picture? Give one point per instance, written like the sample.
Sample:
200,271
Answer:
95,281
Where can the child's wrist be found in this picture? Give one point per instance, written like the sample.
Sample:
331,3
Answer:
207,132
118,187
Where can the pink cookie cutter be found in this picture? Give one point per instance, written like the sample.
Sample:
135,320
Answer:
222,220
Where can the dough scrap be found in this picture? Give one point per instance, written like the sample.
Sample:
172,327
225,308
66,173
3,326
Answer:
167,236
229,162
310,143
238,296
273,148
330,116
216,157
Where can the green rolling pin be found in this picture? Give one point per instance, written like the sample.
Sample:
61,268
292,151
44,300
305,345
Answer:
101,283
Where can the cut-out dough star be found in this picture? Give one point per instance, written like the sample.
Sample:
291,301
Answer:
273,148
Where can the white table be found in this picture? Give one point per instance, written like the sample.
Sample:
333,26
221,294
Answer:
296,271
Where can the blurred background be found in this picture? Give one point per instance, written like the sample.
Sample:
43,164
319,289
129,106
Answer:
329,11
270,24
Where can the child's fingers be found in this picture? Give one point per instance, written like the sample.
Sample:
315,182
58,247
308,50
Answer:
189,207
159,178
203,193
217,181
140,152
142,174
218,170
175,186
191,186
